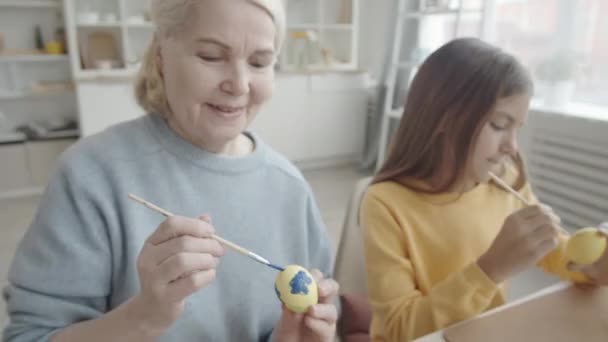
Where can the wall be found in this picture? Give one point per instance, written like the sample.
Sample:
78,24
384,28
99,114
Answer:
101,104
311,118
375,34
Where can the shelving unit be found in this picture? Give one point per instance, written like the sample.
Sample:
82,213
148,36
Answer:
333,23
460,12
30,4
322,35
122,24
24,68
35,87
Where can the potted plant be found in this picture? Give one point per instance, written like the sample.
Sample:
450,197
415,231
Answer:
557,73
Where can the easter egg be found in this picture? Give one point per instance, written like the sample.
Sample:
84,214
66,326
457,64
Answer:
586,246
296,288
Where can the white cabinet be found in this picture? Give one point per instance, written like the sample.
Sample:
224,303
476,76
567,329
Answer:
316,120
27,166
42,158
14,174
116,105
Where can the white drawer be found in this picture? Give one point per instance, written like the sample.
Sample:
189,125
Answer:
14,173
42,158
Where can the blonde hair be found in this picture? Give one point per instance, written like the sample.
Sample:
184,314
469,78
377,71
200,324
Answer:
170,17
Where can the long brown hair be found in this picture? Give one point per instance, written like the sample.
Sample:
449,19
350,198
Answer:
449,101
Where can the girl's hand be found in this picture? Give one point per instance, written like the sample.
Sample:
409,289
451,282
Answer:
526,236
598,271
318,323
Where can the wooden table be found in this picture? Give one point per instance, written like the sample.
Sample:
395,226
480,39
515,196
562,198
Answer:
438,336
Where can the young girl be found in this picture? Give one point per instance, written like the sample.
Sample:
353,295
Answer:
440,238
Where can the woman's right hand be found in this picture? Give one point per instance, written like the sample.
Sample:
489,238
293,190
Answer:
179,258
525,238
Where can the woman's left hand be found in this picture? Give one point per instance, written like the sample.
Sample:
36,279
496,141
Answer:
598,271
316,324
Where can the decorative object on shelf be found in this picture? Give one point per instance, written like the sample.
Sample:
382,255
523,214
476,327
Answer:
137,19
88,18
50,129
322,36
438,5
327,56
307,51
38,40
110,18
106,64
100,51
346,12
53,48
303,48
61,39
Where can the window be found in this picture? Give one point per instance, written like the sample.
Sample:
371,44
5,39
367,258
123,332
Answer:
562,42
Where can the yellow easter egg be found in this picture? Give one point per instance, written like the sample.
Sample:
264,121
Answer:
296,288
586,246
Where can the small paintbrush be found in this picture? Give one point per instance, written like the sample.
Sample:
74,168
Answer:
223,241
507,187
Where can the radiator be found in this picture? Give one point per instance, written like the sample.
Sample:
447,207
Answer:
568,165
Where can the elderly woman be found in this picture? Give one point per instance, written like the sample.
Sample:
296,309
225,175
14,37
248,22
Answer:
95,266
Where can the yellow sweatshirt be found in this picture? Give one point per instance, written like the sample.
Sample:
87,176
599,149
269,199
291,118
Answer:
421,253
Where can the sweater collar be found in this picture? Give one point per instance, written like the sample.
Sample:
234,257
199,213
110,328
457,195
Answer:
181,148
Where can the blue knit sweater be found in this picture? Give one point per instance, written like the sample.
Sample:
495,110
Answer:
78,259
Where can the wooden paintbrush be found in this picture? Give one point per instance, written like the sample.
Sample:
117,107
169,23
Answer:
515,193
223,241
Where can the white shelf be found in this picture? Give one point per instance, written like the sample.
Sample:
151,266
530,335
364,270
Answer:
422,14
34,58
333,66
107,75
34,95
312,68
11,137
20,193
147,25
30,4
337,27
99,25
302,26
321,26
